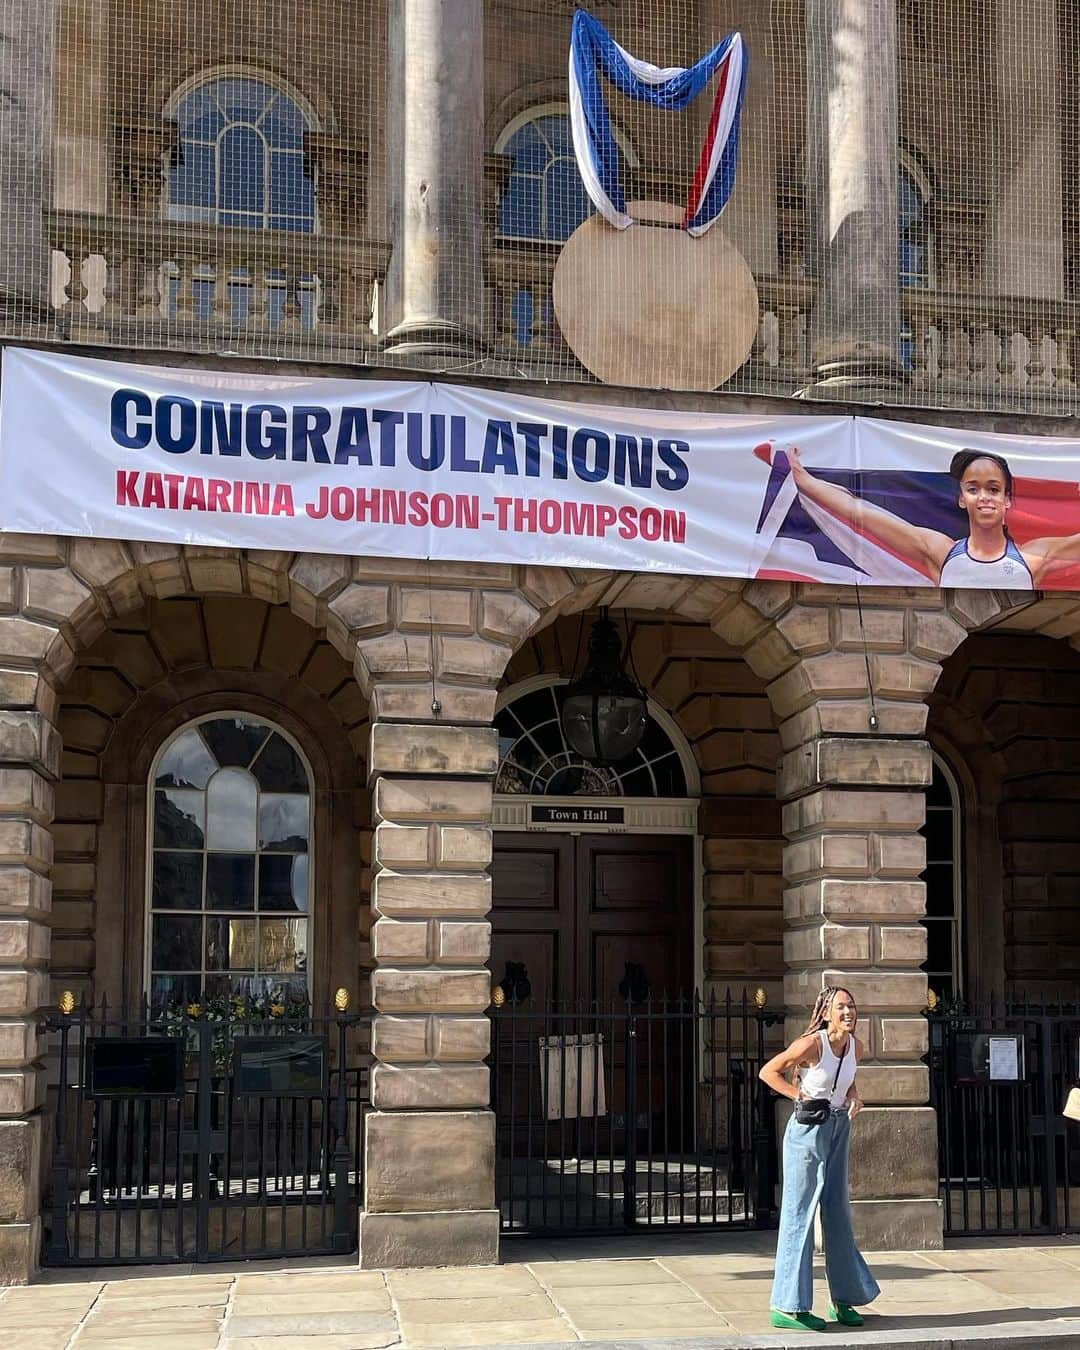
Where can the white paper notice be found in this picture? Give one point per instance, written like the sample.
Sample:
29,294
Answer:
1004,1059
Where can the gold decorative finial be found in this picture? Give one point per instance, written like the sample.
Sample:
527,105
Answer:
67,1002
341,1000
760,997
498,996
931,1000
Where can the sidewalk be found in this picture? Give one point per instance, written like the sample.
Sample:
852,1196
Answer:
701,1293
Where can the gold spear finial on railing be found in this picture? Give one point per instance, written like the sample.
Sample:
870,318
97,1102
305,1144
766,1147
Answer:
341,1000
931,1001
498,996
67,1003
760,997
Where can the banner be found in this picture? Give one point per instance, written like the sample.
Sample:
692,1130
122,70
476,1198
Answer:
419,470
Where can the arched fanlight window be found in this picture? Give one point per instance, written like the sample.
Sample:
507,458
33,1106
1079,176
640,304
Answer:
913,229
535,759
944,891
241,160
229,877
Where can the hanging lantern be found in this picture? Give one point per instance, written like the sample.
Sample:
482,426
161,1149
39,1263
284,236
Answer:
604,713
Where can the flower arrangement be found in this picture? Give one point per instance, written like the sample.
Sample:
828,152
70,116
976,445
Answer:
230,1015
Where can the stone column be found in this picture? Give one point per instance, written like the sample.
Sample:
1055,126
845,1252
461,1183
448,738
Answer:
851,175
1024,252
29,764
429,1159
435,169
853,809
26,75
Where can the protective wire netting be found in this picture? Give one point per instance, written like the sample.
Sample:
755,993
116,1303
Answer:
378,182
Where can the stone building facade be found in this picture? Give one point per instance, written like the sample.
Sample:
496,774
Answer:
388,674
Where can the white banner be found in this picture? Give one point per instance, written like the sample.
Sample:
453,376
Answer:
420,470
390,469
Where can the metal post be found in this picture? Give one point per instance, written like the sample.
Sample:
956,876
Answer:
764,1128
204,1033
58,1252
342,1239
630,1141
1049,1109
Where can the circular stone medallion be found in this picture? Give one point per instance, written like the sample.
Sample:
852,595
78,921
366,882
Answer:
652,307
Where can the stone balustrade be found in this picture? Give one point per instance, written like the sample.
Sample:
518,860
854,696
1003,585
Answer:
132,280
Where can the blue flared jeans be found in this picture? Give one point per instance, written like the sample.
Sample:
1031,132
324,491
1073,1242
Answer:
816,1173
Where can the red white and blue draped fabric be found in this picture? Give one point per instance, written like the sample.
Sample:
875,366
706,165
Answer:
594,52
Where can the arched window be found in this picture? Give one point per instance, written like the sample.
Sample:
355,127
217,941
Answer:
545,198
913,228
944,959
230,839
241,160
535,759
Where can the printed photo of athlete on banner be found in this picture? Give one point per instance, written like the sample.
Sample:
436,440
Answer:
982,520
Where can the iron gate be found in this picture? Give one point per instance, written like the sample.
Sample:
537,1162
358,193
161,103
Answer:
635,1116
999,1075
205,1134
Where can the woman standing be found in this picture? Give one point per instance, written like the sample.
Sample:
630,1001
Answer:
824,1061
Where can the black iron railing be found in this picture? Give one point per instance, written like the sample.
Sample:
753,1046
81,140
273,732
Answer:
632,1116
1000,1071
197,1134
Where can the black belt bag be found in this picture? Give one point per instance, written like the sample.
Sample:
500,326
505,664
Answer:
815,1110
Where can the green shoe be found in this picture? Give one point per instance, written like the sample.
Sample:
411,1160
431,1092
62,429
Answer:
804,1321
845,1314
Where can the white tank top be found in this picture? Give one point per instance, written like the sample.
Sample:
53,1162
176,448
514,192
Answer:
1009,572
817,1081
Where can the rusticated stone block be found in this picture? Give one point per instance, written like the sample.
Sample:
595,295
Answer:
412,702
880,630
32,548
402,1040
55,595
21,1091
20,1170
26,792
20,689
855,762
472,659
438,799
429,1161
23,942
18,1046
851,717
433,749
215,571
846,810
22,992
899,854
23,841
420,991
29,738
902,1037
395,942
507,617
835,854
901,946
461,1038
313,579
894,1153
444,610
904,1084
845,899
450,1238
464,847
24,891
404,846
20,1248
934,635
464,944
360,609
827,942
873,990
422,895
805,629
430,1087
25,639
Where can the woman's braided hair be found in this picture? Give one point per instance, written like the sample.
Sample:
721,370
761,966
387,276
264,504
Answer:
823,1006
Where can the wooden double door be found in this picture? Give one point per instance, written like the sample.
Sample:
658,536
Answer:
589,916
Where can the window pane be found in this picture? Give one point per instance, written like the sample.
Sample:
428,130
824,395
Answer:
176,942
939,836
177,881
528,149
519,214
178,819
230,881
232,811
242,170
291,192
230,944
175,990
940,896
199,115
565,199
939,953
283,882
283,124
243,100
191,183
283,944
235,740
278,768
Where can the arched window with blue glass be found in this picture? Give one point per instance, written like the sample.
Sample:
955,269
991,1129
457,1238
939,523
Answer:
241,166
544,200
241,160
914,241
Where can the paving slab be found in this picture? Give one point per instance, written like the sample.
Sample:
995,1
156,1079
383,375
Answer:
498,1308
311,1324
470,1282
425,1335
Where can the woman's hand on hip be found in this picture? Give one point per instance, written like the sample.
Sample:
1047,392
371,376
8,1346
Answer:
854,1106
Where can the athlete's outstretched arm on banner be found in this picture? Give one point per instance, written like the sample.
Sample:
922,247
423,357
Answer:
1043,556
925,549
